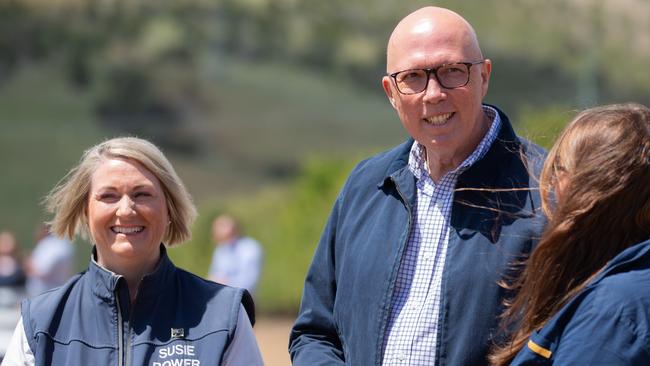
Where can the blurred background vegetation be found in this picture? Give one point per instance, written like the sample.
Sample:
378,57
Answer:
264,106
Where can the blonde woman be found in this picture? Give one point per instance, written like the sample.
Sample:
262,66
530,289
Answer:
132,306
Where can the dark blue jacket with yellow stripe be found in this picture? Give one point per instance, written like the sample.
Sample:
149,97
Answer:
605,324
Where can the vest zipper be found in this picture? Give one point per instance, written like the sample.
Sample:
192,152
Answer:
128,339
120,340
128,347
130,328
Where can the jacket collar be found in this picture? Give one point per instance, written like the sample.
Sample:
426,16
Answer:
629,258
505,143
399,174
105,282
505,147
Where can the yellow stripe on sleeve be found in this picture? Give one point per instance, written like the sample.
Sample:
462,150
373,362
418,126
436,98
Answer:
538,349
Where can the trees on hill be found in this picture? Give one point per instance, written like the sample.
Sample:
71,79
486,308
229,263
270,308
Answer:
145,58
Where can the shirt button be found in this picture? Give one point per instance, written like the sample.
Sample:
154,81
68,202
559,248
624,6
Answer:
401,357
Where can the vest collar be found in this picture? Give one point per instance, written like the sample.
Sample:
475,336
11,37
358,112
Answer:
106,283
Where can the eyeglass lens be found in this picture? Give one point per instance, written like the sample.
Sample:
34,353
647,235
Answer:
449,76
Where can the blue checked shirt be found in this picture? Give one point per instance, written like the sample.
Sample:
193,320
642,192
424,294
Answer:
412,330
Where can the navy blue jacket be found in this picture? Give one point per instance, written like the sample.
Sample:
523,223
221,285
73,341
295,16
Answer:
349,286
608,323
176,316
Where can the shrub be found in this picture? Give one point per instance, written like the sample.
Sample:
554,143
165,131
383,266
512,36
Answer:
286,221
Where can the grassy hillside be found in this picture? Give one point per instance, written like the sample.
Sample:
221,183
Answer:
264,120
44,127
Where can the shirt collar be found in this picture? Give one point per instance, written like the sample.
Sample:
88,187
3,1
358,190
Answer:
417,156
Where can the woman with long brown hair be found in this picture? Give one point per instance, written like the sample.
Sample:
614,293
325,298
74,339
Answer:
584,295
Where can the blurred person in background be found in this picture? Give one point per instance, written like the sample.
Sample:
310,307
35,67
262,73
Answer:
12,281
237,259
132,305
51,262
11,267
406,270
584,296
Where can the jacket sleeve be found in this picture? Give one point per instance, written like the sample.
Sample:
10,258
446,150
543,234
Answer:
314,339
602,338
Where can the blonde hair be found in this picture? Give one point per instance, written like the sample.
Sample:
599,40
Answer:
69,199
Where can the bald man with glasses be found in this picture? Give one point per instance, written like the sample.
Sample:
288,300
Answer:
407,269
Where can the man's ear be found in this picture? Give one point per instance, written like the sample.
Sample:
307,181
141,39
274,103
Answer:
388,89
486,70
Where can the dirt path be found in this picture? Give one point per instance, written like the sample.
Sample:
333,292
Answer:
273,338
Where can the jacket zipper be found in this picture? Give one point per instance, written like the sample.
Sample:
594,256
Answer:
390,297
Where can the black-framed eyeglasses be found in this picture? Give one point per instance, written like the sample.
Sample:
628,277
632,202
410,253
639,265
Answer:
449,76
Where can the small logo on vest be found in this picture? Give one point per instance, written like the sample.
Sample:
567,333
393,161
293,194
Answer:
178,333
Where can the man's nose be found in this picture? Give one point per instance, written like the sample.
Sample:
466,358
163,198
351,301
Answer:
434,91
